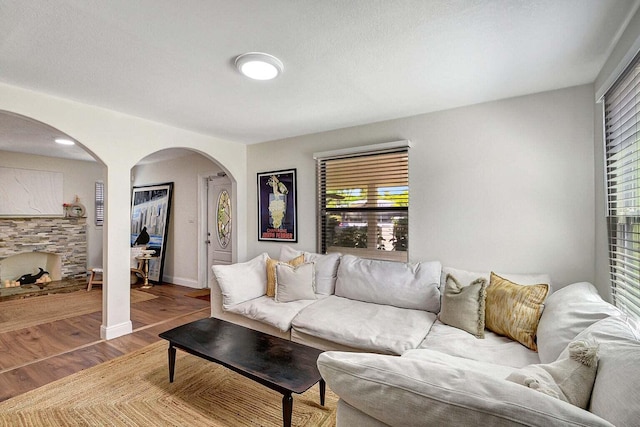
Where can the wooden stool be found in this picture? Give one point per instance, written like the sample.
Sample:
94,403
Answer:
92,278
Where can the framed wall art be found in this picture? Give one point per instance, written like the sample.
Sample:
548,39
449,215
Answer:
150,210
277,208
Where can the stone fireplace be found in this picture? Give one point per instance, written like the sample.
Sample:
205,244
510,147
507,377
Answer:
28,243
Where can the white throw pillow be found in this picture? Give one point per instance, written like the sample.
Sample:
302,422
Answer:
242,281
295,283
326,271
569,379
326,267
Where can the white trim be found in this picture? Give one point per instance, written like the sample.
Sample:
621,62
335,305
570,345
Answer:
183,281
202,228
115,331
604,199
622,65
405,143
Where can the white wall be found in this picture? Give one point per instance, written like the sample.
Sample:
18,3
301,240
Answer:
505,185
181,259
79,179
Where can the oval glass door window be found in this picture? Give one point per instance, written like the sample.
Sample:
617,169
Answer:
224,218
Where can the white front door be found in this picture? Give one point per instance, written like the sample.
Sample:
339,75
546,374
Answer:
220,227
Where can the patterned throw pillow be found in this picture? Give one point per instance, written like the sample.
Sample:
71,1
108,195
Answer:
514,310
463,304
271,272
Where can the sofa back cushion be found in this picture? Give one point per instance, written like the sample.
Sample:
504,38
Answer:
568,312
404,285
519,278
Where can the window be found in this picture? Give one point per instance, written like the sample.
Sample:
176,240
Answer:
99,203
363,201
622,162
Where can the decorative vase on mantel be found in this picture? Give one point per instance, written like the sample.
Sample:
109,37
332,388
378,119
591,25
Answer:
75,209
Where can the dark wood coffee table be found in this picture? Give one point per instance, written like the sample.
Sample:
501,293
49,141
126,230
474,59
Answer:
279,364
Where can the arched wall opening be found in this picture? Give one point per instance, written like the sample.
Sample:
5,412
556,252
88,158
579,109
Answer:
40,176
119,141
185,261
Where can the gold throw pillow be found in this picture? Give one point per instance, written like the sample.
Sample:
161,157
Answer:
271,272
514,310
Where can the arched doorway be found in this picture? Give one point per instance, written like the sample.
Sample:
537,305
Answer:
192,223
46,176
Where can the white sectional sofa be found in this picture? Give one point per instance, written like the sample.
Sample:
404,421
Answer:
396,357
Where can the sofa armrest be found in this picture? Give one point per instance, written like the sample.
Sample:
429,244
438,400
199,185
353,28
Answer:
413,392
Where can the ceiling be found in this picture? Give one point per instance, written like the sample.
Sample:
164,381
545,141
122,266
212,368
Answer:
346,63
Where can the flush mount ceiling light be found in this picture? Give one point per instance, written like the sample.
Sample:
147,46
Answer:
64,141
259,66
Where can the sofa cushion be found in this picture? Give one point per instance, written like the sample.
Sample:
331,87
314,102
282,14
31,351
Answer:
295,283
404,285
567,312
444,391
615,392
463,300
514,310
428,355
326,267
570,379
366,326
271,272
493,348
242,281
266,310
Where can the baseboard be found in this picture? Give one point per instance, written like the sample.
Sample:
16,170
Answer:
182,281
115,331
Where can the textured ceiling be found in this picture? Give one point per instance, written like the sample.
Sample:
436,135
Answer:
346,62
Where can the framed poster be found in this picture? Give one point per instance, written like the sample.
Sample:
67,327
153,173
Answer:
277,215
150,209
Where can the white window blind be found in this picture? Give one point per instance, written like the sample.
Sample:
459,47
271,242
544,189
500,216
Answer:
99,203
363,204
622,159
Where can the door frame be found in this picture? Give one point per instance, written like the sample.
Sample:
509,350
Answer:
202,228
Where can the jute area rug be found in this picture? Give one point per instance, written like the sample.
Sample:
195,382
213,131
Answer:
24,313
134,390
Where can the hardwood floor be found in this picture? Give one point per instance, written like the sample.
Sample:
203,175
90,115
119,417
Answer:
35,356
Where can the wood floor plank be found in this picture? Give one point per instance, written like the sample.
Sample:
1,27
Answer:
34,356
